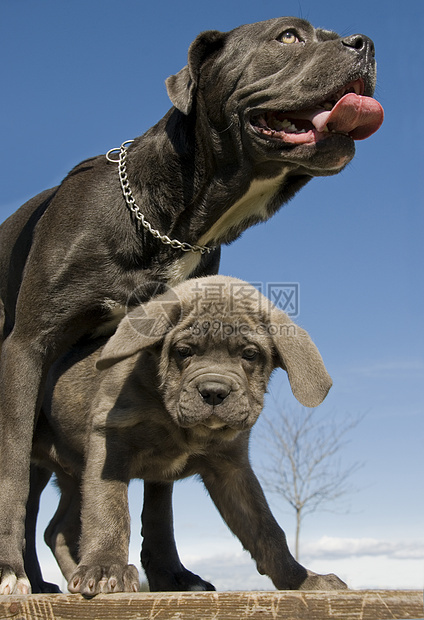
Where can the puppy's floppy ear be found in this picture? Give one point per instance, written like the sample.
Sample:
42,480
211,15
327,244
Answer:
143,327
298,355
182,86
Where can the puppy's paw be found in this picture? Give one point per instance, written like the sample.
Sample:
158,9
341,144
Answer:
177,581
322,582
13,583
44,587
92,580
188,581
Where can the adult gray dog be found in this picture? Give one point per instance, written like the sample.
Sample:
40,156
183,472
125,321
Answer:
180,385
258,112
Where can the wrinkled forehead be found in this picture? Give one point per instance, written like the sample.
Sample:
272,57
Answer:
227,312
274,27
225,300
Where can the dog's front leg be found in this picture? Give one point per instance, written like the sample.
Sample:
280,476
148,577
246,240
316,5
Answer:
105,521
44,327
239,498
21,373
159,555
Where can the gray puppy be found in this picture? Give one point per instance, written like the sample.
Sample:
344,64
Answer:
257,113
176,392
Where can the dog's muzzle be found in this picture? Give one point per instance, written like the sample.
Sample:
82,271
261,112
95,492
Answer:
213,400
347,111
214,391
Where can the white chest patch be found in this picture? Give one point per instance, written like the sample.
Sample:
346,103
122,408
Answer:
181,269
253,203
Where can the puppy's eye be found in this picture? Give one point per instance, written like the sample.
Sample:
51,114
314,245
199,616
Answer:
250,354
184,351
288,37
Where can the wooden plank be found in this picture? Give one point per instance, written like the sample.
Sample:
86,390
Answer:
349,605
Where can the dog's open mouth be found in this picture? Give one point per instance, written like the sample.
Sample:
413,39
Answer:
347,112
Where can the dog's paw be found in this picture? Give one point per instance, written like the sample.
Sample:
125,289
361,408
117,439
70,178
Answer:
12,583
314,581
177,581
92,580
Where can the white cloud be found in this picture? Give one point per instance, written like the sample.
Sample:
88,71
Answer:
369,573
329,547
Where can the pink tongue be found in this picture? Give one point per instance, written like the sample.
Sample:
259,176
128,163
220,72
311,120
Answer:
356,115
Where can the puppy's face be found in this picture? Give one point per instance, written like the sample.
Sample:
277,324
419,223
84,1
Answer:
213,343
214,378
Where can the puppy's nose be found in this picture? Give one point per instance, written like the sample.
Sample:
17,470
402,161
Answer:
213,392
361,43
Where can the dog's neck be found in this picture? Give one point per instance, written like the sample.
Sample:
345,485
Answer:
206,198
250,208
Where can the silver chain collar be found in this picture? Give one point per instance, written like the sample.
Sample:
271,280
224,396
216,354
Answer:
135,209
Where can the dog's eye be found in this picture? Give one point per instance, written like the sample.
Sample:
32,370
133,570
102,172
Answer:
184,351
250,353
288,37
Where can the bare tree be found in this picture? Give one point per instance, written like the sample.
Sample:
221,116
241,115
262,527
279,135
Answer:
304,464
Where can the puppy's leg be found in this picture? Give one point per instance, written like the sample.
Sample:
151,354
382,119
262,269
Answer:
39,478
64,530
105,520
239,498
159,555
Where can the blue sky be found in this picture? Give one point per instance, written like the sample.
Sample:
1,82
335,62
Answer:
81,77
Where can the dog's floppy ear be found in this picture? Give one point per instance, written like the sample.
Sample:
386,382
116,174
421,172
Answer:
143,327
309,379
182,86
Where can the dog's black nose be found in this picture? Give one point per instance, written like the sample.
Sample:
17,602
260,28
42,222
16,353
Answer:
213,392
361,43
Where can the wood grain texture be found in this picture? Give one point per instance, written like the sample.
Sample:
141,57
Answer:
349,605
